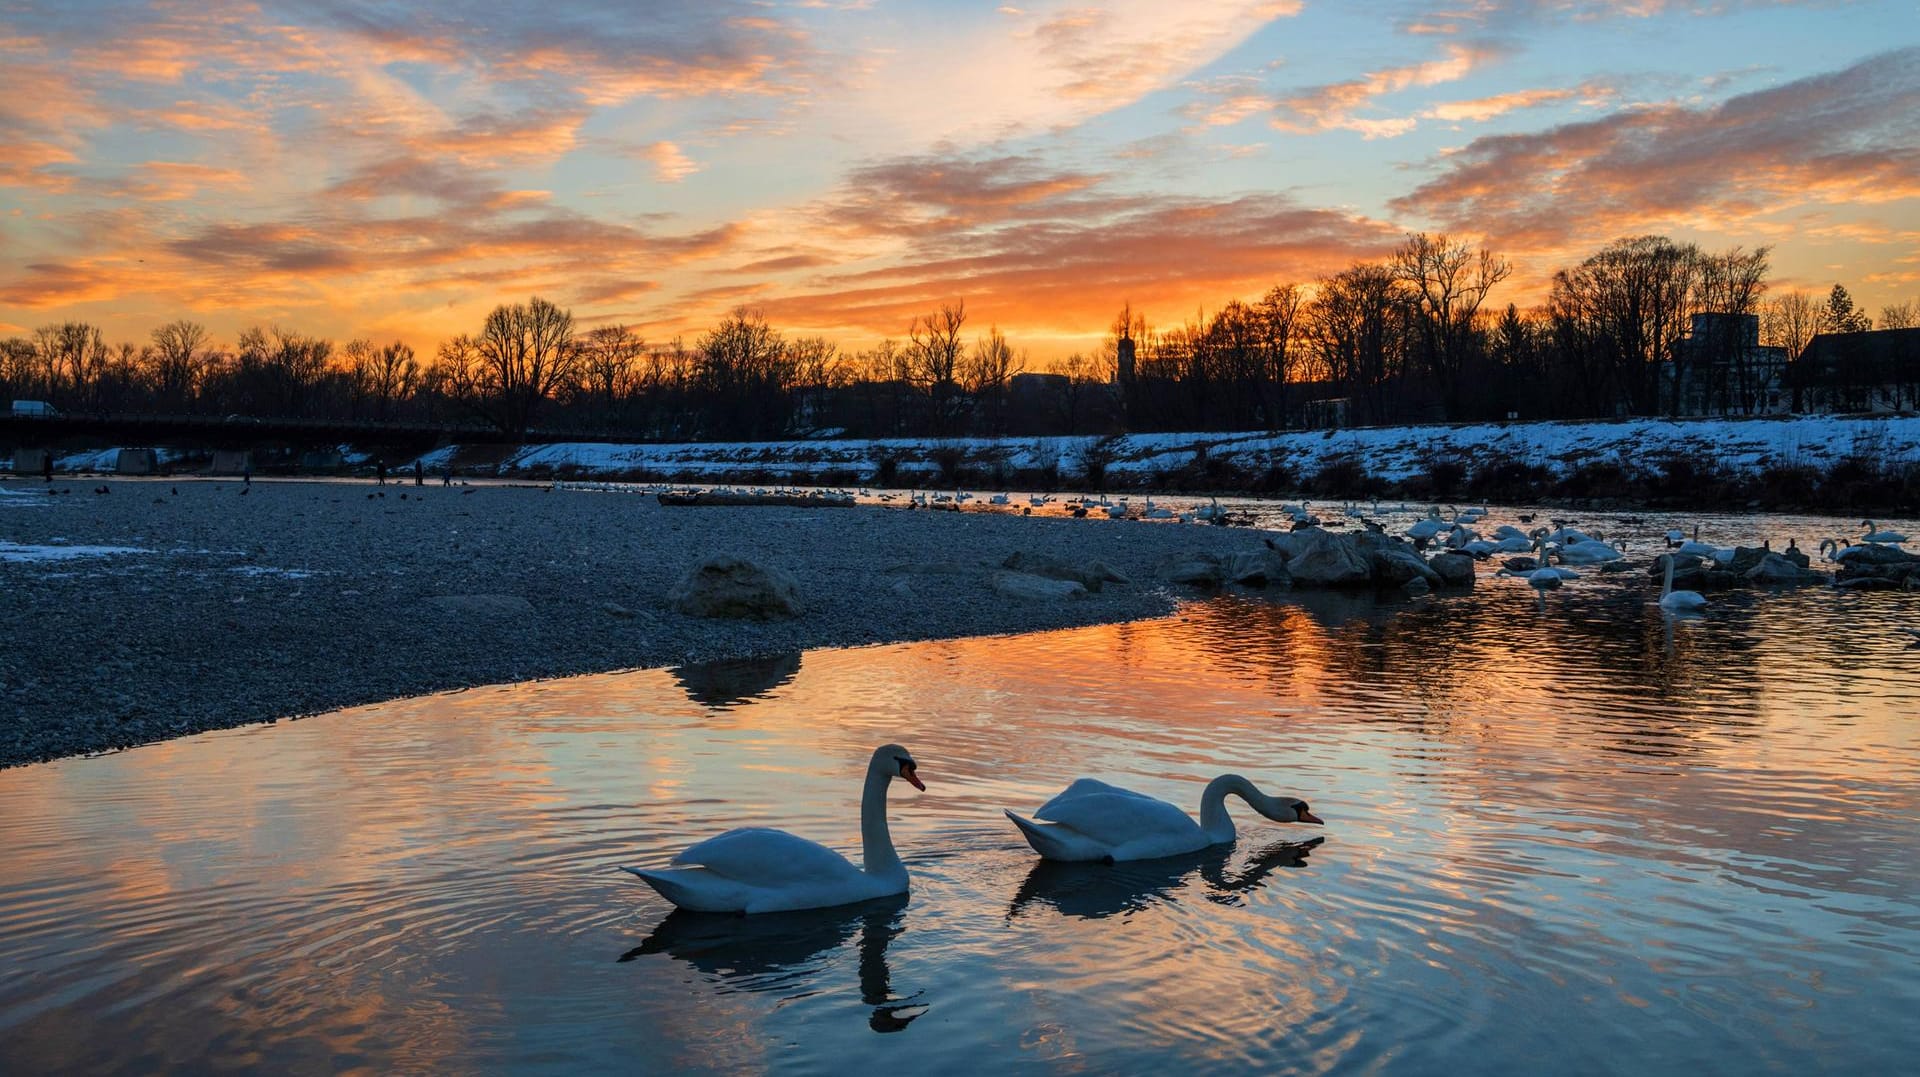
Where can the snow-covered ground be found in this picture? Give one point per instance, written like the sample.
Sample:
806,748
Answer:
1392,453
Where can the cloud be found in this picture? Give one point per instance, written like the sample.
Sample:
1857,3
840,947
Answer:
670,164
1054,250
1847,137
1338,105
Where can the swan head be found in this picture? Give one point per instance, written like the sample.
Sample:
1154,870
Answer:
897,762
1287,810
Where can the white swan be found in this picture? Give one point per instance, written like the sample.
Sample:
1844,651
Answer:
755,869
1678,601
1091,820
1590,552
1891,537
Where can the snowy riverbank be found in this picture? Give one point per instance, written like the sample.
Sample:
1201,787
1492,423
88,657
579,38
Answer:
1606,459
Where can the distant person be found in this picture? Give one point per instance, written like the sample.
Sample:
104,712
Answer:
380,472
419,473
246,471
46,466
446,474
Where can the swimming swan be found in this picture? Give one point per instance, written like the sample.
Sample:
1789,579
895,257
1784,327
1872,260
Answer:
756,869
1678,601
1091,820
1890,537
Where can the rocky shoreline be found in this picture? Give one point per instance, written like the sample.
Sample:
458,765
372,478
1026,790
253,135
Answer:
141,610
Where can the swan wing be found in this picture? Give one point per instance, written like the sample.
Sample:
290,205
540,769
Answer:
761,856
1111,815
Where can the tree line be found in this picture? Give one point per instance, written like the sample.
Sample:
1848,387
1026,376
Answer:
1412,337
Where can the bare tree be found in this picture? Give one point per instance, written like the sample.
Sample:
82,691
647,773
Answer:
1277,313
609,362
73,355
1357,320
1450,279
933,362
396,374
1790,321
1618,314
526,352
818,364
745,376
1900,316
177,364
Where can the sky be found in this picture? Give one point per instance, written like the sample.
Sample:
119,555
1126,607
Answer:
393,171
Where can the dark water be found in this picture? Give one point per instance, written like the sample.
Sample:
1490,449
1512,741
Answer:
1564,834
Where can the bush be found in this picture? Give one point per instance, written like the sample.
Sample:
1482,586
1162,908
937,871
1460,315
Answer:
886,469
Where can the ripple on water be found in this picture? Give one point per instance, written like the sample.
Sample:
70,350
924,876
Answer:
1568,834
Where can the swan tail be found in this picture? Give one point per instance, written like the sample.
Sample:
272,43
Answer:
681,886
1047,840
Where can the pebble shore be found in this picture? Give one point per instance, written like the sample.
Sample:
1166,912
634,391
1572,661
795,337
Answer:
296,598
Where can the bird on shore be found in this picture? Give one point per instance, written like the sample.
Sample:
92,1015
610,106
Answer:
757,869
1091,820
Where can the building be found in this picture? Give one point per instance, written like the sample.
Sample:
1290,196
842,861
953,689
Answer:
1878,370
1721,368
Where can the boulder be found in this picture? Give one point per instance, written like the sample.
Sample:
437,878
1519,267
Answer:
1194,569
1026,586
1324,559
1775,570
1393,566
1874,554
1092,575
1454,569
1745,559
728,586
1416,587
1256,568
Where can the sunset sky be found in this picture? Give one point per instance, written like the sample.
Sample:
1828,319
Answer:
394,170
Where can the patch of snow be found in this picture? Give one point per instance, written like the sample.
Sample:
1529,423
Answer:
11,551
282,573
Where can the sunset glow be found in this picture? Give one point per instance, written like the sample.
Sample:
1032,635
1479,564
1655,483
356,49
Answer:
393,171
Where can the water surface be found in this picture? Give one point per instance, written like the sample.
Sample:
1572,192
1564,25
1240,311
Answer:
1564,834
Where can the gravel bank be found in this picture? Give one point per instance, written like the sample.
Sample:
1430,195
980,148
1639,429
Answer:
297,598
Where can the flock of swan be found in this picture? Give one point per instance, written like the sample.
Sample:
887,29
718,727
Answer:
758,870
1569,546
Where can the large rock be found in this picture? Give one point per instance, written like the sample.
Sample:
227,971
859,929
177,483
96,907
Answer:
1194,569
1775,570
1257,568
1324,559
1031,588
728,586
1454,569
1092,575
1393,566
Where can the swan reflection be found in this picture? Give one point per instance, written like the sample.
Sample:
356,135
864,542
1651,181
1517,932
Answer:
1094,891
775,951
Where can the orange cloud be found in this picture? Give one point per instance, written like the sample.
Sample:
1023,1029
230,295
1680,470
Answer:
1845,137
1336,106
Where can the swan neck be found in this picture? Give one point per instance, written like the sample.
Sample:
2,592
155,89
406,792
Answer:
876,844
1213,805
1666,588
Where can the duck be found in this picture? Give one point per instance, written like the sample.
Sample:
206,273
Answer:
752,870
1892,538
1091,820
1678,601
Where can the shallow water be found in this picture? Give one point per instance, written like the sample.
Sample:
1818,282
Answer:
1564,834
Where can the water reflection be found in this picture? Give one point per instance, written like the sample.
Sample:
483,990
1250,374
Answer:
1694,838
791,952
732,681
1094,891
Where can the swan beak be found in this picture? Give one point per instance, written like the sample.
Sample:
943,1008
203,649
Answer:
907,772
1306,816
